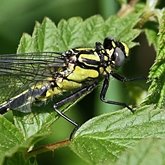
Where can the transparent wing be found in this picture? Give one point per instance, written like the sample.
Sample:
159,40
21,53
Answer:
20,71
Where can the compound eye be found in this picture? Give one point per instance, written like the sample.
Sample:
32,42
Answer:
118,57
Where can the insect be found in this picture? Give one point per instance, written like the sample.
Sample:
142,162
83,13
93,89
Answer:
67,76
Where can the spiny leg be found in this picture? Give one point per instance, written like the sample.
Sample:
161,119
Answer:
73,97
104,91
125,79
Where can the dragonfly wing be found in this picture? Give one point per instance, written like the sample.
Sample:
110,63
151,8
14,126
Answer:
18,72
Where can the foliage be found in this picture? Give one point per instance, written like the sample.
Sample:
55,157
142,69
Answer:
111,138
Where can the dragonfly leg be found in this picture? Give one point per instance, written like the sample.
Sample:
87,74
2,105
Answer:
73,97
124,79
103,94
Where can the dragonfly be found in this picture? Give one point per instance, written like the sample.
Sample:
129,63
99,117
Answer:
67,77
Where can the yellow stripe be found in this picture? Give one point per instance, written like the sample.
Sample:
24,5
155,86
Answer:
81,74
88,56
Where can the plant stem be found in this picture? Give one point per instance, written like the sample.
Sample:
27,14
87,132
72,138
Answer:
49,147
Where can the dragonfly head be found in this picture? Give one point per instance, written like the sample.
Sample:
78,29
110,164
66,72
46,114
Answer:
117,51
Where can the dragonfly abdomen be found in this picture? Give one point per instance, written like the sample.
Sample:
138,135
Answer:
24,99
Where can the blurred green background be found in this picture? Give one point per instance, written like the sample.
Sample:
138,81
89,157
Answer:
19,16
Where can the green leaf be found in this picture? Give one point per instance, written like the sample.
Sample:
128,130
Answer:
35,122
18,158
156,92
151,32
120,28
69,33
149,151
103,138
13,145
10,138
44,38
